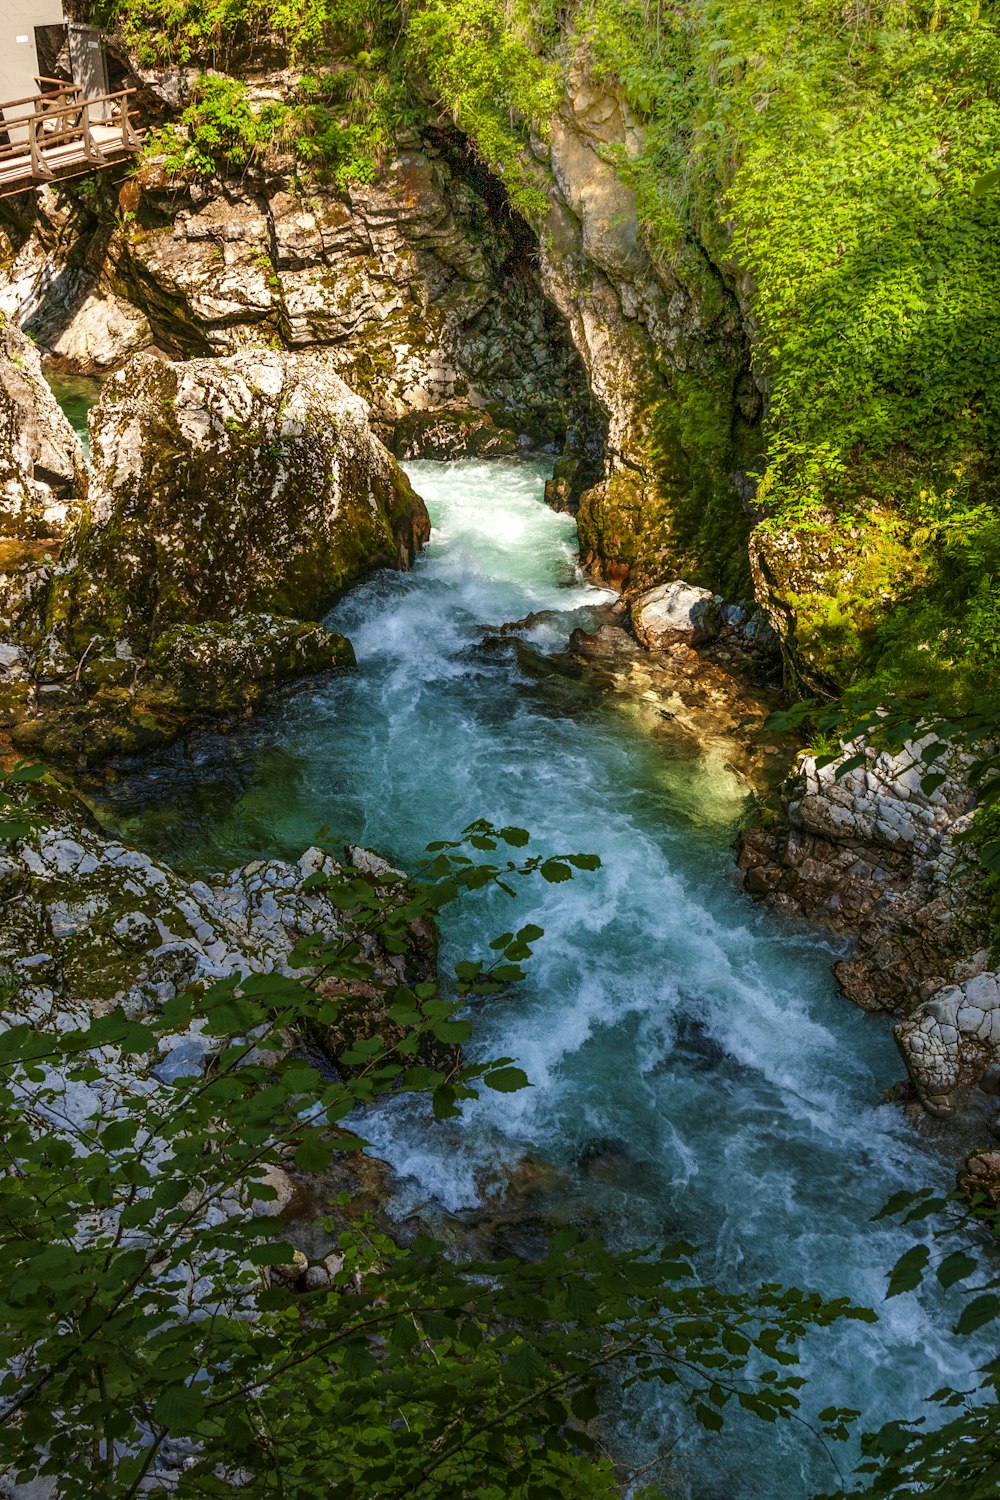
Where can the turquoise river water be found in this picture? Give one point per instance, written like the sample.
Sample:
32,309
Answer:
669,1028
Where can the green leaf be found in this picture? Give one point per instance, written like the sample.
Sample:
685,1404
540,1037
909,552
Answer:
708,1417
313,1153
908,1272
271,1254
585,861
506,1080
956,1267
897,1203
179,1409
986,183
554,871
525,1365
980,1311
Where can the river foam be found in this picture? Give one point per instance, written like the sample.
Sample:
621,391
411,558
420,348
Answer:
667,1022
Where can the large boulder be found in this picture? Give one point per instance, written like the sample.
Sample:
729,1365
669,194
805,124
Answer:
224,487
43,473
675,613
231,502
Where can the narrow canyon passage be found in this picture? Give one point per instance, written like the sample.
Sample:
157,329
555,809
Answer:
694,1071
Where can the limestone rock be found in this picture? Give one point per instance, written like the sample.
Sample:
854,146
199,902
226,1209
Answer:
114,702
675,612
422,287
220,487
43,473
88,921
231,502
102,332
868,852
980,1178
452,434
951,1037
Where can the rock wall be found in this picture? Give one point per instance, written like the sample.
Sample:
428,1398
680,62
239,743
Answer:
43,476
870,854
434,296
667,354
423,287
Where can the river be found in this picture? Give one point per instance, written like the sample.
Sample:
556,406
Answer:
694,1070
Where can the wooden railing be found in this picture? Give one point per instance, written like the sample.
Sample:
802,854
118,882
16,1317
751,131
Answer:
65,117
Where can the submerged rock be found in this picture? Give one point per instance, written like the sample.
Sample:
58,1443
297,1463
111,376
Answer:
43,473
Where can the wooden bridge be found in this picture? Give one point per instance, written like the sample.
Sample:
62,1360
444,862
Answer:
62,132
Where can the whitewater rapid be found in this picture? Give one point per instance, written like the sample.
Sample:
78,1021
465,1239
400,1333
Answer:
668,1025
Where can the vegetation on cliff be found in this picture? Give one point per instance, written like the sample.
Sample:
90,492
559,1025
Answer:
833,167
835,164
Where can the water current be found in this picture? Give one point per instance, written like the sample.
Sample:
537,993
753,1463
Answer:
693,1068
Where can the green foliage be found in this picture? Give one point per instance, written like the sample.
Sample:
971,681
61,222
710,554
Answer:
347,106
219,130
955,1450
482,58
144,1301
853,149
20,814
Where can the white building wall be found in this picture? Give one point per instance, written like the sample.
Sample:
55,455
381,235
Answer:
18,59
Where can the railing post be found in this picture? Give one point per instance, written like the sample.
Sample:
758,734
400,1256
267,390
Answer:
129,138
39,166
90,151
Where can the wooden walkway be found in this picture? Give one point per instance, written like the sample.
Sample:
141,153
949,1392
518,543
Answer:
60,133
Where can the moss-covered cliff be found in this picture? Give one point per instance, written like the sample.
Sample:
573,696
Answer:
770,233
784,213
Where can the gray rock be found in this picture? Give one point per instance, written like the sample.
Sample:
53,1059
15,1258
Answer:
43,473
675,612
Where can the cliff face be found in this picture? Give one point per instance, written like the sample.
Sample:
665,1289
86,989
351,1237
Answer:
423,288
652,362
466,329
667,355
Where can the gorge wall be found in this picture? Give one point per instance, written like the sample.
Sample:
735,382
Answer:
576,245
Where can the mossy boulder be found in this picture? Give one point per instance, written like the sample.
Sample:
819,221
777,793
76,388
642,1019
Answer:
43,473
452,434
121,705
227,487
231,502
